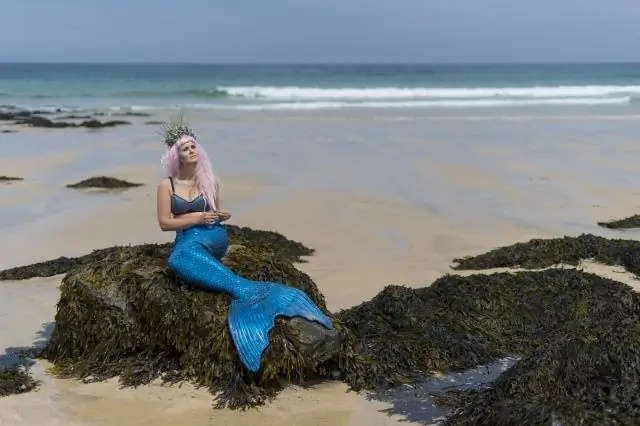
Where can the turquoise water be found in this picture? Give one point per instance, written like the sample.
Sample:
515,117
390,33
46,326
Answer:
255,87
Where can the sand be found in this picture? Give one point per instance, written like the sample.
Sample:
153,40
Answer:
386,205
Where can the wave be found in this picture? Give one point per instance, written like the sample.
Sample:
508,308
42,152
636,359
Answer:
301,94
316,105
319,105
399,93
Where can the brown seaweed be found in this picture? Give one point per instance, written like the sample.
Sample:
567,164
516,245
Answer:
127,315
543,253
268,241
625,223
15,380
104,182
122,313
10,178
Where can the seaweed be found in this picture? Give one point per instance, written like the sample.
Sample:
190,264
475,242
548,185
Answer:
10,178
16,378
543,253
104,182
270,241
127,315
590,377
567,324
123,313
625,223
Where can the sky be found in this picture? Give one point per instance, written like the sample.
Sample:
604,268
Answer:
320,31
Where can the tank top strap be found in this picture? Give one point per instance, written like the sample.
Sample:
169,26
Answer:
173,188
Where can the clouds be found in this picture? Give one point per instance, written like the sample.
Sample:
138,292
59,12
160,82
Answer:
321,31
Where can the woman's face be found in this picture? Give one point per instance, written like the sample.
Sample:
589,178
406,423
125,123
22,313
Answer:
188,154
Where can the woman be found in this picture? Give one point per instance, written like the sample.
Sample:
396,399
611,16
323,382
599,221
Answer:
188,202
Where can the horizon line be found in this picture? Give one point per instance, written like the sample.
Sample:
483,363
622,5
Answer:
461,63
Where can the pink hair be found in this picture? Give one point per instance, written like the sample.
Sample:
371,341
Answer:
205,180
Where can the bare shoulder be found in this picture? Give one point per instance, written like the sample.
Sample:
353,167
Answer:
164,185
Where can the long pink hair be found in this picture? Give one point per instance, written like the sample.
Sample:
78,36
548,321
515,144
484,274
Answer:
205,179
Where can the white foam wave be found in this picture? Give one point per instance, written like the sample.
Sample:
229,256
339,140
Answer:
316,93
310,93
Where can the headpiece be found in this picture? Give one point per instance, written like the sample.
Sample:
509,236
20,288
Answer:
173,132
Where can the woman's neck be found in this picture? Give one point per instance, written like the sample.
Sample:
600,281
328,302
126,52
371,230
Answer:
187,174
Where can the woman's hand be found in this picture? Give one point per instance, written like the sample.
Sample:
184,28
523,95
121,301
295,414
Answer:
222,216
205,218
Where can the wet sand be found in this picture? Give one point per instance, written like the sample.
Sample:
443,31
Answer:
381,201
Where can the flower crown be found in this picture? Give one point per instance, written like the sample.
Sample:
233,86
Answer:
173,132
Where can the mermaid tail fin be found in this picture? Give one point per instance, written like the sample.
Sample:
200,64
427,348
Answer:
251,319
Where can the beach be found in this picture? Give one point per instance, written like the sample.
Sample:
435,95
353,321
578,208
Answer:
384,196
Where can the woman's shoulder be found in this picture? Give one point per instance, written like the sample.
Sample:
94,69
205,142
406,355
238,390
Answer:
165,183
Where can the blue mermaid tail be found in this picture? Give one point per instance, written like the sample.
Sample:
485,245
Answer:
195,258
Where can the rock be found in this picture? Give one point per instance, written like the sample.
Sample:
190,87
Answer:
577,335
95,124
153,123
15,379
74,117
17,115
240,237
10,178
131,114
35,119
104,182
626,223
542,253
127,315
8,131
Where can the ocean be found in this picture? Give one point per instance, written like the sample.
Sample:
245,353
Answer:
141,87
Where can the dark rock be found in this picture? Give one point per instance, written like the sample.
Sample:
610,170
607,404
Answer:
104,182
16,379
95,124
10,178
17,115
265,241
35,119
131,114
8,131
153,123
74,117
542,253
626,223
122,313
578,333
128,316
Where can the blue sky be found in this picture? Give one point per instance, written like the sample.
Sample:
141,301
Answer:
258,31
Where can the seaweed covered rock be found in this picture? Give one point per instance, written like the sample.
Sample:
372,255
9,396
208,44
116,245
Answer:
16,379
587,378
461,322
542,253
265,241
10,178
625,223
105,182
577,331
33,120
127,315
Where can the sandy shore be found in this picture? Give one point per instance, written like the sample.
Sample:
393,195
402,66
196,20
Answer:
368,231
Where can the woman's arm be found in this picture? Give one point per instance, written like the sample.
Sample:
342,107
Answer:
165,219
